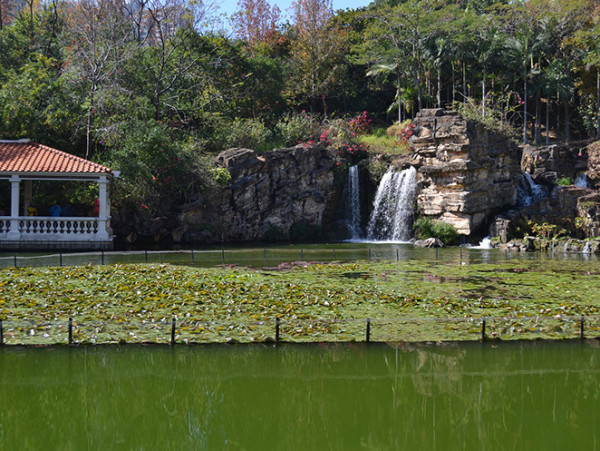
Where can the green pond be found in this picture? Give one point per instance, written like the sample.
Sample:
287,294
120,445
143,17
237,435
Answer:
270,255
519,395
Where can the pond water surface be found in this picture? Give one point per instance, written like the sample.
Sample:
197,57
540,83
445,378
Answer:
273,255
524,395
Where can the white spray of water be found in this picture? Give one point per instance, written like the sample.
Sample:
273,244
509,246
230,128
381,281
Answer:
352,197
581,180
529,192
392,215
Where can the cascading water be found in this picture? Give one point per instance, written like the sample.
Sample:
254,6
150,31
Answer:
529,192
392,215
485,243
352,204
581,180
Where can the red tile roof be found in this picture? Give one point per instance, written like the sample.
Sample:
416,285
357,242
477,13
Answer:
28,157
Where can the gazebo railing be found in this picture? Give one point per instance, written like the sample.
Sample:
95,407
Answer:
4,225
34,228
61,225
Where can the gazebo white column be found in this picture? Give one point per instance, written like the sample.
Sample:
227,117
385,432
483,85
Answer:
14,233
103,208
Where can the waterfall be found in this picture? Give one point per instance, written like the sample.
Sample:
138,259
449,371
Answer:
587,248
485,243
392,215
581,180
529,192
352,203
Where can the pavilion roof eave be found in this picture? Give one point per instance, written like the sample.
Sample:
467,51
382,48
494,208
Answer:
66,176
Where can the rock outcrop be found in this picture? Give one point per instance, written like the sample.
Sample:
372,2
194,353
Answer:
466,173
281,194
593,162
548,164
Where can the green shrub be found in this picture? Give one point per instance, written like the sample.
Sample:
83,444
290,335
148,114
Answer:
495,115
565,181
221,176
157,171
546,230
429,228
298,127
249,133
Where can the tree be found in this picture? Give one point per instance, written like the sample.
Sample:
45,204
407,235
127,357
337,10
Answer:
317,48
34,103
172,32
256,21
98,40
406,40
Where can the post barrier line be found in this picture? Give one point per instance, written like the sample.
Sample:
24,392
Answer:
4,324
483,330
173,327
16,260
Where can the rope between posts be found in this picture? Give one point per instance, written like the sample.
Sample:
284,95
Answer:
29,328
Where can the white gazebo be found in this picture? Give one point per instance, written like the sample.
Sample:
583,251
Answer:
21,163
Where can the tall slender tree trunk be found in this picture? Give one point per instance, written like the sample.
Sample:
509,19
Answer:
399,95
538,125
525,109
483,94
598,100
453,84
439,87
419,90
88,125
557,111
548,121
567,119
464,80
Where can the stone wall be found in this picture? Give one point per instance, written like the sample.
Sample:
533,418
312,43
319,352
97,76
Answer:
281,194
548,164
466,173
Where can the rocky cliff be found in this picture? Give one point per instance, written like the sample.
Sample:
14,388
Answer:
466,173
281,194
548,164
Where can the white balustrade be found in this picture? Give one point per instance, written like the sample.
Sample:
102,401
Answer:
46,228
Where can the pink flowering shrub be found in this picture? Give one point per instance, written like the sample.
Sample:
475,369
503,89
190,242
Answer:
360,123
401,131
406,132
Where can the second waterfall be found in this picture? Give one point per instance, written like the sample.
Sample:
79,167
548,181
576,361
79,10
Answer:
393,207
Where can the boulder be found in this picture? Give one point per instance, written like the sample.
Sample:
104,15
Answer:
429,242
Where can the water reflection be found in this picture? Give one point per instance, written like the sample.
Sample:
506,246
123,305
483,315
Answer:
274,255
515,396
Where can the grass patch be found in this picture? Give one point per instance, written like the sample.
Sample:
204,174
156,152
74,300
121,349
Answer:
411,301
380,142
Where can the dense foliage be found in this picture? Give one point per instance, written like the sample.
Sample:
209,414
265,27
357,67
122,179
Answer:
151,87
